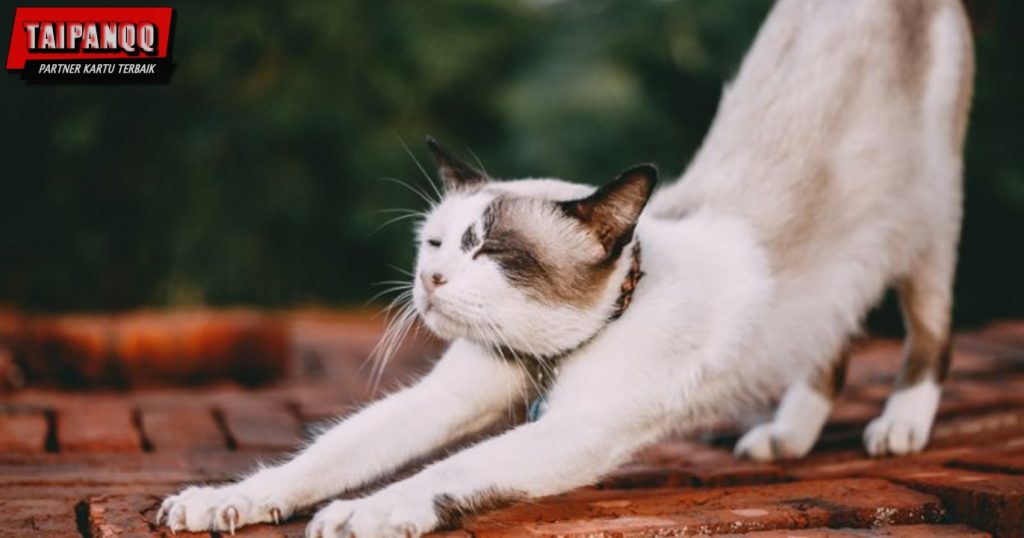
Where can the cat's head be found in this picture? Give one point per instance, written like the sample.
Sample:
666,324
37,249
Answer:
532,265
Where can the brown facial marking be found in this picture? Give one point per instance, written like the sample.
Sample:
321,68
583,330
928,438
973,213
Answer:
469,239
545,270
450,511
455,174
829,381
515,255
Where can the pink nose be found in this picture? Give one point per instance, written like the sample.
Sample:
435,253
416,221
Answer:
433,280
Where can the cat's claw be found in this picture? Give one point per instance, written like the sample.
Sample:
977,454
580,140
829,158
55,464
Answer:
223,509
231,517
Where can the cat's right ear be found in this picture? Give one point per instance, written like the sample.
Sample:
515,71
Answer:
454,173
611,212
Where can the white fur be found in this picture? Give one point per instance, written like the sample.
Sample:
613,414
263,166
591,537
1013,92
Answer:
792,433
755,271
906,423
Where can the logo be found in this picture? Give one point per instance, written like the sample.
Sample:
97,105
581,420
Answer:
92,44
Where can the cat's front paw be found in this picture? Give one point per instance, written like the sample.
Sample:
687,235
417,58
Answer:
206,508
377,516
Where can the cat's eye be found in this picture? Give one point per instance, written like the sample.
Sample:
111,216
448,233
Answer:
434,242
488,249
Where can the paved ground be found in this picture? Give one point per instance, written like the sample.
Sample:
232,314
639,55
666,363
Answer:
96,464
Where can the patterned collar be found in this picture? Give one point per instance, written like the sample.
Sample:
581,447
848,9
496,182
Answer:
544,368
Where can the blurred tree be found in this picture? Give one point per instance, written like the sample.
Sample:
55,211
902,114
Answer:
253,176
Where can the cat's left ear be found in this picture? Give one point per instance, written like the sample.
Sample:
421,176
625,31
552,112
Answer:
612,211
454,173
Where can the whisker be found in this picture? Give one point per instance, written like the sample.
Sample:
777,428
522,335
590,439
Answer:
478,161
392,289
394,220
400,270
415,190
382,282
430,180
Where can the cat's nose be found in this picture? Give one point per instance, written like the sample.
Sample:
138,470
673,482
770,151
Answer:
433,280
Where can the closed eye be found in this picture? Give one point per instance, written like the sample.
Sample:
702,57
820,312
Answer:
434,242
489,249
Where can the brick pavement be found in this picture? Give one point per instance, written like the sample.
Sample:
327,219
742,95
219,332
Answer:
97,463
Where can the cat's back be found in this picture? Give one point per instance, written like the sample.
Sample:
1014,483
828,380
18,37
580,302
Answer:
832,123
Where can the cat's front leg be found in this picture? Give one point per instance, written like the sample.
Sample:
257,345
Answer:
553,455
467,391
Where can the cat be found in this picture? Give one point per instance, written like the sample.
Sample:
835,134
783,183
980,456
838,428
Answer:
619,315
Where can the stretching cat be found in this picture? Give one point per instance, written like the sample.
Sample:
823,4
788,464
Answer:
832,170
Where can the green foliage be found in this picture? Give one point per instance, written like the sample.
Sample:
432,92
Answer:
253,177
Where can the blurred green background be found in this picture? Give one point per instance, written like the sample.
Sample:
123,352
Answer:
254,176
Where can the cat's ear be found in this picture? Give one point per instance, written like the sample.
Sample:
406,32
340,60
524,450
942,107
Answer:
612,211
454,173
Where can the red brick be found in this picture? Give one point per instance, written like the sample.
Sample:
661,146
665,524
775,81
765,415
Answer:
183,430
24,432
11,375
848,412
734,473
38,517
681,452
988,501
68,350
256,426
293,529
1008,333
969,430
641,475
737,473
902,531
687,464
874,361
325,403
97,427
1004,461
849,502
122,470
116,516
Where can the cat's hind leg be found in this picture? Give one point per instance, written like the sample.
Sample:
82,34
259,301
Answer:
800,417
926,300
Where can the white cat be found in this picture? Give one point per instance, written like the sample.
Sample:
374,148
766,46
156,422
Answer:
831,171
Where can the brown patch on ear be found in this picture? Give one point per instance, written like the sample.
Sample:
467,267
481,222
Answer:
454,173
612,211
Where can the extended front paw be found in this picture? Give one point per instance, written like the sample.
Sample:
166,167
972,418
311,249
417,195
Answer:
202,508
375,516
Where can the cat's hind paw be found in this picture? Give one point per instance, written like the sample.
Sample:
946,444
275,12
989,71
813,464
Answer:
773,442
895,436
